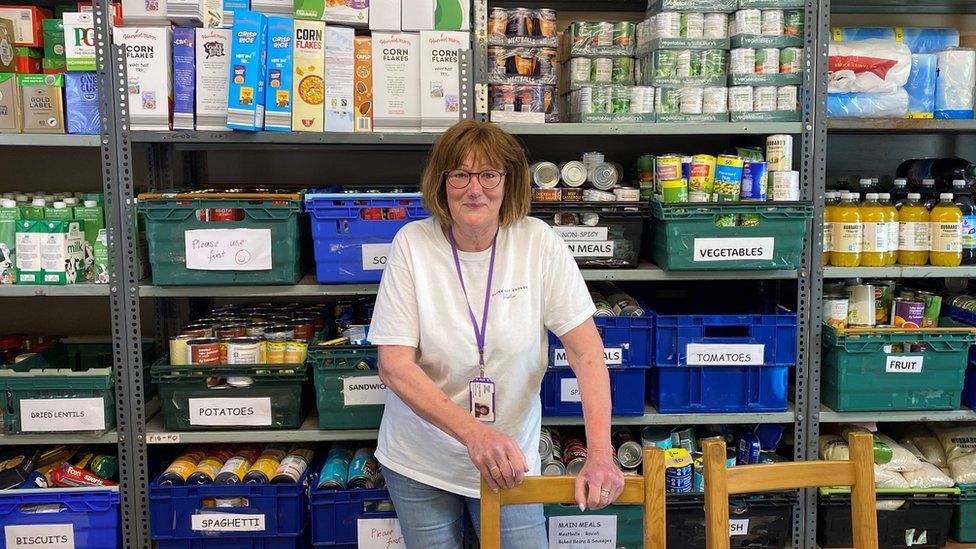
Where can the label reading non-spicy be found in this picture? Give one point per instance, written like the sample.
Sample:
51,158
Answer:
613,356
62,414
226,522
573,233
374,256
725,354
363,391
230,411
591,249
734,249
36,536
903,364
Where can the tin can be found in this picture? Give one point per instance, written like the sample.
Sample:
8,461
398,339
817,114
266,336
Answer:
883,293
713,62
622,70
677,471
740,99
547,195
572,195
208,467
603,33
715,100
779,152
715,25
244,350
623,33
786,186
747,449
229,331
198,330
861,306
520,23
764,99
293,466
279,332
933,307
685,438
835,310
177,350
304,327
787,98
692,25
256,329
274,352
686,167
497,22
335,471
688,63
748,21
755,180
656,437
225,214
594,195
574,454
668,167
545,19
295,352
263,469
728,178
592,158
545,441
907,314
627,194
603,176
667,25
791,60
580,69
620,100
234,469
702,181
767,61
667,101
603,308
748,220
553,468
601,70
629,451
772,22
675,190
726,220
573,173
600,99
181,468
692,100
203,351
666,63
641,99
544,174
793,22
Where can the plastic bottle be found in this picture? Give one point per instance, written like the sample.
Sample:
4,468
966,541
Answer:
830,200
874,231
891,220
915,170
865,185
899,191
913,232
927,190
964,199
946,170
846,240
945,228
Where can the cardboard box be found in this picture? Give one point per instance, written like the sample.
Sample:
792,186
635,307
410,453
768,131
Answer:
8,59
79,41
53,66
150,83
184,78
348,12
440,103
29,234
11,119
308,84
86,7
43,105
196,13
452,15
417,15
29,60
339,78
81,103
274,7
230,6
212,78
28,30
248,66
363,88
277,91
62,252
384,15
145,12
53,39
9,214
309,10
396,82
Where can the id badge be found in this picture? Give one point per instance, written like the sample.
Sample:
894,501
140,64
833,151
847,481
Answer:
482,399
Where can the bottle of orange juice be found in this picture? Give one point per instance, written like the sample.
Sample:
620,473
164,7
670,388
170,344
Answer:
945,226
830,199
913,232
874,232
846,239
891,220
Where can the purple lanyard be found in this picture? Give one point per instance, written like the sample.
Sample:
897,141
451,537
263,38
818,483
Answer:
479,335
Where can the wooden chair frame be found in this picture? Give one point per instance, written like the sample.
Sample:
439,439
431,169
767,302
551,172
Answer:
857,472
647,490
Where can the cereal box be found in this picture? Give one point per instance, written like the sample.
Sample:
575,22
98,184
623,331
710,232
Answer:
79,41
274,7
230,6
11,121
452,15
248,71
196,13
277,91
212,78
384,15
339,78
145,12
309,10
417,15
347,12
42,106
81,103
363,89
308,86
440,98
184,78
62,251
53,39
8,55
396,82
149,78
28,31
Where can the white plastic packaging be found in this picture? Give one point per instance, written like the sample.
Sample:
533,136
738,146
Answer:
901,459
955,83
868,105
868,66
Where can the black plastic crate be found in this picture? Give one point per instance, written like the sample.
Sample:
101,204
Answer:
599,234
922,521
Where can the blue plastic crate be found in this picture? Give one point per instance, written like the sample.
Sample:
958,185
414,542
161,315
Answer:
720,389
969,387
335,514
776,332
92,513
626,393
339,231
628,342
969,319
283,542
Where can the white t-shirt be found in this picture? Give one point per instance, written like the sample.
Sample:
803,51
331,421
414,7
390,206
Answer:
536,286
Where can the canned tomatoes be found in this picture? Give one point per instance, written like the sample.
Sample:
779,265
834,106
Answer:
203,351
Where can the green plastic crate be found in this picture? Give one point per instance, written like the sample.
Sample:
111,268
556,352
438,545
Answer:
274,400
343,391
858,375
678,228
963,527
169,217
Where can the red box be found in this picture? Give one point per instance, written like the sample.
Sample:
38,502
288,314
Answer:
27,24
30,60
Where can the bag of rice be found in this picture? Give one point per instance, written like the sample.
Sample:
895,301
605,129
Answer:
901,459
928,476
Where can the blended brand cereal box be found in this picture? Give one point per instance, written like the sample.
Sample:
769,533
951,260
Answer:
43,106
440,103
308,85
145,12
79,41
363,89
277,91
212,78
230,6
396,82
81,103
248,70
11,120
184,78
149,84
196,13
384,15
28,29
347,12
339,78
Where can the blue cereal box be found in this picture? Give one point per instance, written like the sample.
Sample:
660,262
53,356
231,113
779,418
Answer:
81,103
248,71
184,77
277,102
231,6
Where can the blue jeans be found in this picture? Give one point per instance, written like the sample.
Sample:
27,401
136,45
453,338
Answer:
432,518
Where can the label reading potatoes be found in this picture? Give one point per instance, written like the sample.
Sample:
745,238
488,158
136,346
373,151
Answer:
250,412
903,364
725,354
39,536
363,391
734,249
569,390
576,234
226,522
374,256
591,249
62,414
613,356
228,249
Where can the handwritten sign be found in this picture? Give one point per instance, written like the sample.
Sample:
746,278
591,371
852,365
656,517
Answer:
62,414
37,536
380,534
228,249
374,256
738,527
583,531
577,233
569,390
163,438
251,412
363,391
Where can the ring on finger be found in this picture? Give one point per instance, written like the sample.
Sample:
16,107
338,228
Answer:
492,468
605,494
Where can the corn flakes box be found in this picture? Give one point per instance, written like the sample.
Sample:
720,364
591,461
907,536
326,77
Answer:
248,71
308,84
149,76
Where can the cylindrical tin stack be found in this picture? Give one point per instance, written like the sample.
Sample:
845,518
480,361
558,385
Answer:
523,61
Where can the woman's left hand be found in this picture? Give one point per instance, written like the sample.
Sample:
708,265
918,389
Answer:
600,482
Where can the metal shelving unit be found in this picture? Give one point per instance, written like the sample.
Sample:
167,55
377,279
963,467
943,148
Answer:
48,140
924,271
720,128
108,437
899,126
829,416
71,290
652,417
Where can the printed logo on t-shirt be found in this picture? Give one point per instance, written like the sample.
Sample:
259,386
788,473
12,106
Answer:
509,293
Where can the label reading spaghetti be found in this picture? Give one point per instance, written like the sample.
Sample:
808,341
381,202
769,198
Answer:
230,411
725,354
35,536
734,249
363,391
227,522
613,356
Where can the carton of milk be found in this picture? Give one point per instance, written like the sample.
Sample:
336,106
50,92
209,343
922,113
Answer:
79,41
396,82
145,12
28,235
440,103
184,77
339,78
81,103
248,56
230,6
149,83
277,90
212,78
308,84
63,252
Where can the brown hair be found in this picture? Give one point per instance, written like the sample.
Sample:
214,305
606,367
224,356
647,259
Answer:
490,144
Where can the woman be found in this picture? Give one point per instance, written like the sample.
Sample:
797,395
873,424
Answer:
460,321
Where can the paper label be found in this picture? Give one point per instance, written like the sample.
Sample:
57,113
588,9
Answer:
874,237
62,414
379,534
945,237
589,234
374,256
40,536
230,411
734,249
591,249
586,531
228,249
828,236
892,236
738,527
569,390
725,354
613,356
363,391
162,438
846,237
912,236
898,364
226,522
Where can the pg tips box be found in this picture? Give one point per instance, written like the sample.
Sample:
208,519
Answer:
248,56
396,82
278,98
308,84
63,254
440,104
79,41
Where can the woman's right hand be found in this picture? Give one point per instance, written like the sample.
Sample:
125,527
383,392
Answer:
498,457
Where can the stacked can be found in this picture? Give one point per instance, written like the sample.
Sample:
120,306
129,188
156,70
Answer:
766,61
767,22
565,182
346,469
243,464
524,69
610,100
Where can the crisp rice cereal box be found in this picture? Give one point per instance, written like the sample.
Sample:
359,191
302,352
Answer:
363,89
277,91
184,78
248,56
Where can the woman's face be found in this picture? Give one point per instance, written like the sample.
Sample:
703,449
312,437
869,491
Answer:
475,205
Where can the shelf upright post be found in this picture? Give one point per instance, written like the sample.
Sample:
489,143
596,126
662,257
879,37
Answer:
480,60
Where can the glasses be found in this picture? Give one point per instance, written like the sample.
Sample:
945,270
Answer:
460,179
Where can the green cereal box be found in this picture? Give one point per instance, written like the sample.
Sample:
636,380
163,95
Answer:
28,234
312,10
53,38
62,252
